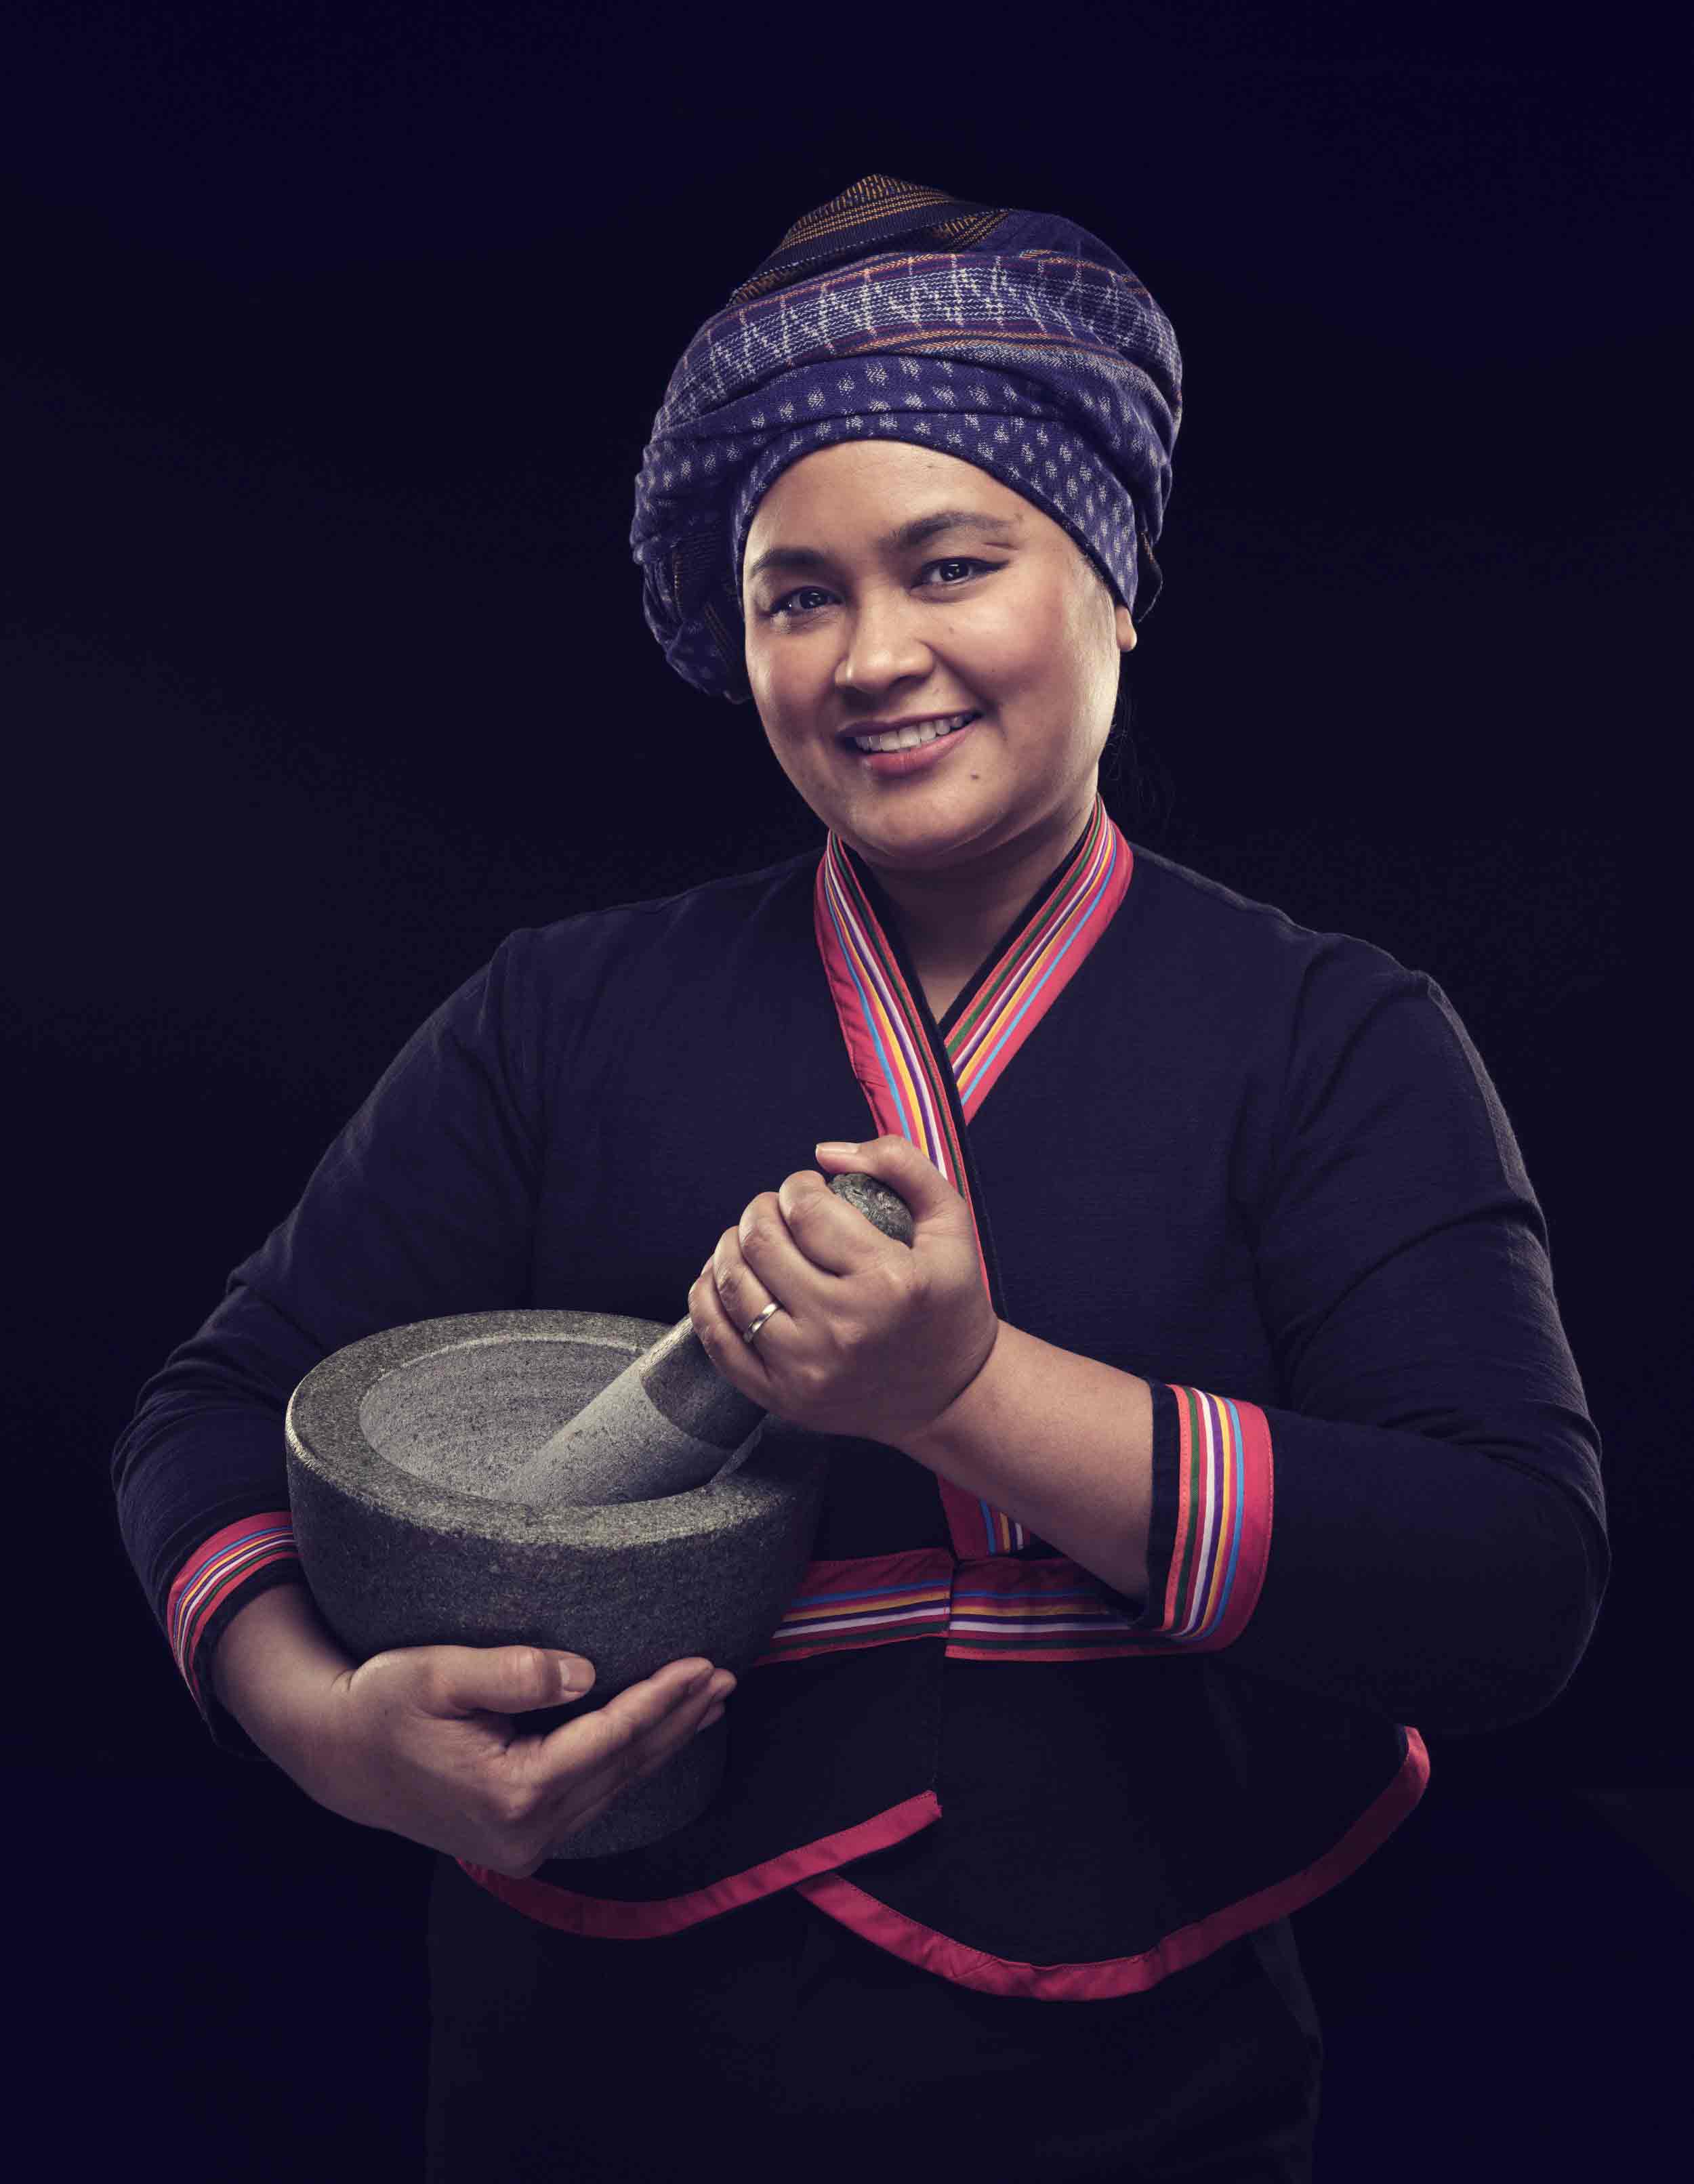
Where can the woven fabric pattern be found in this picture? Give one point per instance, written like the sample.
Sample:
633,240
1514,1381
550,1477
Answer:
1013,340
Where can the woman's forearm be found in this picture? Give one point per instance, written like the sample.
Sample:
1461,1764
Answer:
272,1668
1063,1444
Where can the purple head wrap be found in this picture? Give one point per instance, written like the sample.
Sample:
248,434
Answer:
1013,340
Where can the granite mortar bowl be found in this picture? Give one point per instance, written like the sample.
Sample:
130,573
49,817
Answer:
397,1447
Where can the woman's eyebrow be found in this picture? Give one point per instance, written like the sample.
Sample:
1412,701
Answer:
914,534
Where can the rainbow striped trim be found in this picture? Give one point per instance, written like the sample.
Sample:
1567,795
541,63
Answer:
1039,962
927,1091
992,1608
874,1599
1225,1480
216,1570
888,1042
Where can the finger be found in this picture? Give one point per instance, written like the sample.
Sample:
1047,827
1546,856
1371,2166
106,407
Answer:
642,1752
723,1340
764,1244
607,1791
738,1291
831,1233
744,1289
596,1738
897,1163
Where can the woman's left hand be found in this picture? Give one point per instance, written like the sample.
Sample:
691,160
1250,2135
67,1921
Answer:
874,1338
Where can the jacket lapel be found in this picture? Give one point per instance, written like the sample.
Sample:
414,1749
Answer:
927,1086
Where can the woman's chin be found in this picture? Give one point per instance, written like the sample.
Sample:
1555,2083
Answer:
929,843
936,819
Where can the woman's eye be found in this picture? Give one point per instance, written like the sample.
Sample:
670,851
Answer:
785,605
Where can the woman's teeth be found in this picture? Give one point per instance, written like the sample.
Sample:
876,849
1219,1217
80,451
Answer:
910,738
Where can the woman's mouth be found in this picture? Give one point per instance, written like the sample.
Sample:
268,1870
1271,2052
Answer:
910,750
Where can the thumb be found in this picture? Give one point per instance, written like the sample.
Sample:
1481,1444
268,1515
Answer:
896,1162
513,1678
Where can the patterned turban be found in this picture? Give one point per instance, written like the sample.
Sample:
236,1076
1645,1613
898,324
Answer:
1014,340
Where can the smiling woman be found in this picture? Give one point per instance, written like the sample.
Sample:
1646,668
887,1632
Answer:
1015,658
869,418
1095,1675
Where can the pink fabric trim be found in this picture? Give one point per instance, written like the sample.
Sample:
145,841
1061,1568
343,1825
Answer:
217,1567
1096,894
915,1943
603,1919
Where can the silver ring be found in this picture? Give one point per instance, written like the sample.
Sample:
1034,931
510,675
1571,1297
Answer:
750,1334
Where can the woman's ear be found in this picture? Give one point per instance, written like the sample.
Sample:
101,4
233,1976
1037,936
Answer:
1126,631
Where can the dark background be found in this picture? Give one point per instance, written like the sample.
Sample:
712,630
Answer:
333,335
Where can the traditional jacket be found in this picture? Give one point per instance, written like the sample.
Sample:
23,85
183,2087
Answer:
1260,1166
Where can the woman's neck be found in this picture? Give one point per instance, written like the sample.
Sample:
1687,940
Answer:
949,920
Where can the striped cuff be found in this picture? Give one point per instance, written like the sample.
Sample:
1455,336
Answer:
218,1580
1208,1542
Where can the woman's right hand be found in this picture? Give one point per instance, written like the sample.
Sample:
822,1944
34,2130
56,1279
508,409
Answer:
427,1742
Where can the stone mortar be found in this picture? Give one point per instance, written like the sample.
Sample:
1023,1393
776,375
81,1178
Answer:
397,1449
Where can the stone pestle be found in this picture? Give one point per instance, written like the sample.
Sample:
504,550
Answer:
670,1421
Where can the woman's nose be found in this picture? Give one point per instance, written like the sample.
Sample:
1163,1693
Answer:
883,644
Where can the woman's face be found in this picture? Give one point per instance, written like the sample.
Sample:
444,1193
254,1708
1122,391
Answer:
851,628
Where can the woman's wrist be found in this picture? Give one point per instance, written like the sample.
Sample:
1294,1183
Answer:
1061,1442
961,1422
272,1669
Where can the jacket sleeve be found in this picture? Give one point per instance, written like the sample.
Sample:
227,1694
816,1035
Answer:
1420,1530
423,1206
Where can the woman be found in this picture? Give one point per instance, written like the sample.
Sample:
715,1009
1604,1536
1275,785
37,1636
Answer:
1218,1425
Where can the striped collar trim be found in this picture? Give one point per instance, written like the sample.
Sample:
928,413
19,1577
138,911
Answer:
1039,960
926,1088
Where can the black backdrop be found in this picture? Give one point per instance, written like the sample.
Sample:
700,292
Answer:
333,335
